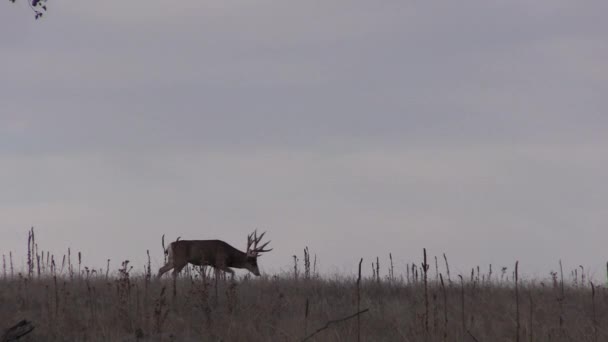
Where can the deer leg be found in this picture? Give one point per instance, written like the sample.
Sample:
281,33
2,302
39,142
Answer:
227,270
164,269
178,269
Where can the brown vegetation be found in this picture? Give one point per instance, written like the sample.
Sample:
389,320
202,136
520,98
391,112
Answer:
95,305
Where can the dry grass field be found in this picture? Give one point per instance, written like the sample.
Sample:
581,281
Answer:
65,301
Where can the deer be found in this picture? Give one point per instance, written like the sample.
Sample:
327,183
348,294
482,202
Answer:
216,253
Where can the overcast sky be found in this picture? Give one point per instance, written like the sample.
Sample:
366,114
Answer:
357,128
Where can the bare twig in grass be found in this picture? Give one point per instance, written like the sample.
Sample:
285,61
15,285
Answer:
174,277
531,322
79,262
593,316
373,271
202,293
391,270
517,325
462,317
36,257
160,311
49,310
217,277
335,321
306,318
447,268
435,313
56,288
148,277
232,299
10,256
472,336
23,291
561,270
70,271
425,267
359,302
30,265
561,298
436,270
162,242
490,275
17,331
37,261
445,309
148,268
378,270
306,263
295,267
123,291
33,252
91,301
473,281
53,267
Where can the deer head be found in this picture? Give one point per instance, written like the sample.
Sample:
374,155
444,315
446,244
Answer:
254,251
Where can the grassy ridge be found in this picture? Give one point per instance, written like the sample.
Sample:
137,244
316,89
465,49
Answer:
274,308
69,302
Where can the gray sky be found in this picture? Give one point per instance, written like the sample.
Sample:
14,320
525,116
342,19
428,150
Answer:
356,128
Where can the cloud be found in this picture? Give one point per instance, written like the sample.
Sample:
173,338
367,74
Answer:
472,128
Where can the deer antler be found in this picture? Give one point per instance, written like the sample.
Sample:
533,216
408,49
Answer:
249,243
253,239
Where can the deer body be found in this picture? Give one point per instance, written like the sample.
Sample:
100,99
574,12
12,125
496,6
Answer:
216,253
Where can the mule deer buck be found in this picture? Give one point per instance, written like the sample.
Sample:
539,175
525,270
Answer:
216,253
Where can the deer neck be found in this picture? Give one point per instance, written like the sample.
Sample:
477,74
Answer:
240,260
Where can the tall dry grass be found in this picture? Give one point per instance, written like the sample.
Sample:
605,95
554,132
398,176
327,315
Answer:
75,303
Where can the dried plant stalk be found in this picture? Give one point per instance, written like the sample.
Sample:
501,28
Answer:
517,324
359,301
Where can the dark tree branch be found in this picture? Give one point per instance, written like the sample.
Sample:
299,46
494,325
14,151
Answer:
37,6
334,322
17,331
